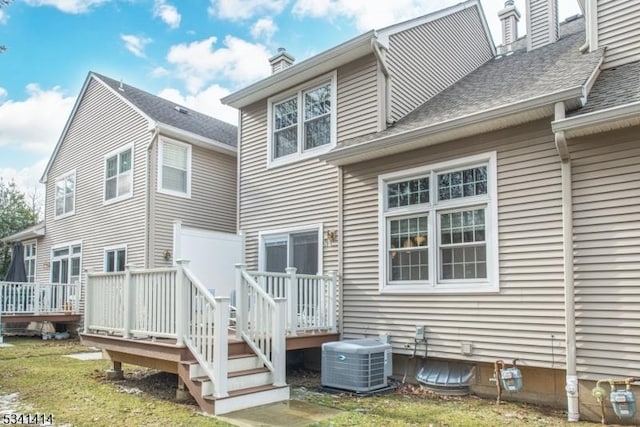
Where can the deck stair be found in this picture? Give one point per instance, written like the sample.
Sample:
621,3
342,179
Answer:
249,383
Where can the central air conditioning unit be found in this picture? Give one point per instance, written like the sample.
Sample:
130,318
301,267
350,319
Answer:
356,365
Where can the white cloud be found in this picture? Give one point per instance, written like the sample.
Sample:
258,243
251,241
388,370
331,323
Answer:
239,61
206,101
365,14
167,12
69,6
159,72
264,28
245,9
4,18
3,92
35,124
135,44
27,179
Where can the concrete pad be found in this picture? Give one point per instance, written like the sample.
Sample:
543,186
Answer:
293,413
4,344
96,355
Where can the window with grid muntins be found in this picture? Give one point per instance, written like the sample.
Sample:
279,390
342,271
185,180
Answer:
118,175
441,240
65,194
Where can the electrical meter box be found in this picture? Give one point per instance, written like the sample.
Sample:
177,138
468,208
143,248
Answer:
511,379
624,404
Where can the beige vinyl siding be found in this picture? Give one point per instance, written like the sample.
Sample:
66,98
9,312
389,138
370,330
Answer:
102,124
212,204
358,98
428,58
618,31
305,192
525,319
606,198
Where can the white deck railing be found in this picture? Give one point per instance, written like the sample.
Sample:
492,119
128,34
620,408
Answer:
261,323
311,299
39,298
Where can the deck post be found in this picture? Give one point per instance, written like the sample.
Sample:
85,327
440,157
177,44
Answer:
280,343
36,298
333,324
129,304
292,299
87,302
76,301
241,302
221,345
181,302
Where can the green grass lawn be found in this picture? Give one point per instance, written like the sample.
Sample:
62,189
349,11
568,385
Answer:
77,394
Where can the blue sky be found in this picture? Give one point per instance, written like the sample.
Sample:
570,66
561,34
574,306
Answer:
190,51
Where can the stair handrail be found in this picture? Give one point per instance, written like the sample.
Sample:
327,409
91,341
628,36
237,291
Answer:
268,344
211,354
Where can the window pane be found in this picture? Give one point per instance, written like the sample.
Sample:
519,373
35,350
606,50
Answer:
70,182
110,188
317,102
464,183
408,249
121,260
304,248
285,142
112,167
110,262
124,184
408,193
125,161
68,203
174,179
463,250
174,156
285,114
276,256
317,132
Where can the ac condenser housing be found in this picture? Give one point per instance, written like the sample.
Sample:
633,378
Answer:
356,365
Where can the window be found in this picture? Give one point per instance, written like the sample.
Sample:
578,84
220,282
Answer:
115,259
298,248
440,227
65,263
302,124
175,168
30,261
65,194
118,175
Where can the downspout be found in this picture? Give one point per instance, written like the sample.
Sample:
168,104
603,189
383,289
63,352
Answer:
573,407
154,129
377,51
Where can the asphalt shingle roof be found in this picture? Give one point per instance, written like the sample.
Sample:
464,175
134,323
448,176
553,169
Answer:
164,111
504,80
613,88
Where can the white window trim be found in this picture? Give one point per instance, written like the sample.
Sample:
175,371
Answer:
35,258
161,143
297,92
270,234
491,284
63,246
55,197
104,178
114,248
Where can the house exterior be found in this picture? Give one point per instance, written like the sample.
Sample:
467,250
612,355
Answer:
127,165
489,196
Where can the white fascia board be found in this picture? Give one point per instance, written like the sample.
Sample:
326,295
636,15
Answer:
445,131
299,73
32,232
598,121
195,139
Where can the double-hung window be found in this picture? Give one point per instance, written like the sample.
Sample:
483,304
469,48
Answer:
439,228
65,194
65,263
117,175
115,259
302,123
174,170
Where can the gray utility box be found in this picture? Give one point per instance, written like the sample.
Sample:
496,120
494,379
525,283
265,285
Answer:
356,365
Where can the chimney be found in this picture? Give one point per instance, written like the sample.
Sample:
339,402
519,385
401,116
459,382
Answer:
542,23
280,61
509,16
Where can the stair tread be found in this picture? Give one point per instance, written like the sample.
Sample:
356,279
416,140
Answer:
241,356
202,379
245,372
245,391
189,362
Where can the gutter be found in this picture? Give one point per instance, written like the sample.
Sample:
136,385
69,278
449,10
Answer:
573,406
201,141
596,119
346,155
